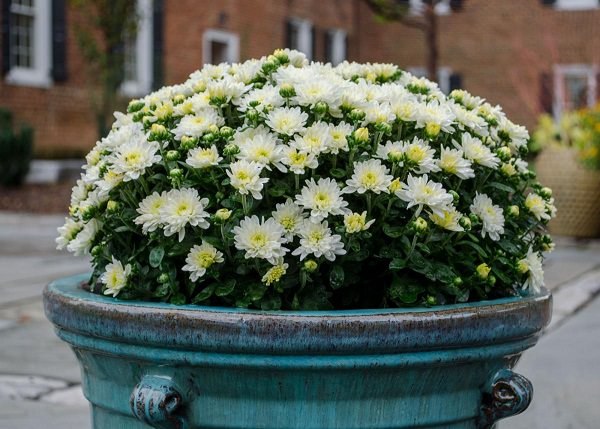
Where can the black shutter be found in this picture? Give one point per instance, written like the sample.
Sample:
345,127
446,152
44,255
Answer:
5,34
328,46
158,44
454,82
548,2
313,42
59,41
288,34
546,96
456,5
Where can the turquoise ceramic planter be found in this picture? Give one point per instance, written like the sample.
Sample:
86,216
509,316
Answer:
155,365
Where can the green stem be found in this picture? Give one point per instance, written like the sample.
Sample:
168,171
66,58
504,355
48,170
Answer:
225,242
412,246
368,195
297,181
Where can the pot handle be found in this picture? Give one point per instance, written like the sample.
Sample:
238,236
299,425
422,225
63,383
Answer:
156,401
506,394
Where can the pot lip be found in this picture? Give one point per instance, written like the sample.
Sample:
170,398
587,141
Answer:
70,288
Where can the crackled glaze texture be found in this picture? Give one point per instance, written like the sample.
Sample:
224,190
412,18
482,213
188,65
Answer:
150,365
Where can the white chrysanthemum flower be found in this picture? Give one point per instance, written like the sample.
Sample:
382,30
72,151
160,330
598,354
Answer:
316,239
67,232
267,97
419,191
290,217
477,152
357,222
287,120
405,109
311,92
420,157
452,161
121,136
198,124
369,175
298,161
275,273
532,264
200,258
315,139
339,134
200,157
260,239
226,90
150,212
193,105
391,151
184,207
449,220
82,242
323,198
109,181
469,119
490,215
516,134
263,149
115,277
378,113
245,177
132,158
435,117
537,205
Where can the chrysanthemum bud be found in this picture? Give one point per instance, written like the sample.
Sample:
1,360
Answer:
281,56
163,278
287,90
135,106
491,280
395,186
112,206
209,137
164,111
321,108
223,214
172,155
176,173
200,86
96,251
432,129
522,266
483,271
546,192
310,265
457,281
383,127
508,169
226,132
269,66
523,150
158,132
231,149
178,99
188,142
503,153
361,135
474,218
513,211
455,196
252,115
356,115
465,222
430,300
420,224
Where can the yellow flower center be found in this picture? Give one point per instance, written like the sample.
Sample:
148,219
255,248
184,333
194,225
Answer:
416,153
258,239
288,222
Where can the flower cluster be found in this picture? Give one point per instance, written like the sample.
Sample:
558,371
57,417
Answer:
282,184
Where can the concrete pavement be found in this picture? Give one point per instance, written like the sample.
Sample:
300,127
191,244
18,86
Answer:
39,376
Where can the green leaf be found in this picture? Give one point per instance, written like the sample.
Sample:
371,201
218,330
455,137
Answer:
433,270
256,291
204,294
501,186
392,231
178,299
276,192
397,264
338,173
229,204
156,256
225,288
474,246
336,277
405,290
271,303
359,256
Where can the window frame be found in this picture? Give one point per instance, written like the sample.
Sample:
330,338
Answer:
144,52
338,37
39,75
574,5
561,71
229,38
305,36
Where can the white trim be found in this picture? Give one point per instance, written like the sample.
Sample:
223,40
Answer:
579,70
338,45
229,39
576,4
305,36
144,52
38,75
416,7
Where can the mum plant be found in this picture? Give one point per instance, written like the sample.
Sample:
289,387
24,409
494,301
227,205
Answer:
282,184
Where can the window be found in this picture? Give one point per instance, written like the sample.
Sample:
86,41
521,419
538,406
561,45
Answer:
219,46
442,7
30,49
574,87
138,54
300,36
335,46
576,4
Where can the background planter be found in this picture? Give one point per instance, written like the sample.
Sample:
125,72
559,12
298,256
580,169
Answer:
155,365
576,192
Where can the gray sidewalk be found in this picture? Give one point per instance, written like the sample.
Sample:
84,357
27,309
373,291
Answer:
39,376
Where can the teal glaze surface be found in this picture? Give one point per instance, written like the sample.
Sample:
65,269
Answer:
157,365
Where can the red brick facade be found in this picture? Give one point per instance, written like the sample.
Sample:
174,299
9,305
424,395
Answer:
503,50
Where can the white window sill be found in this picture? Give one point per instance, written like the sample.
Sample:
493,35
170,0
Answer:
27,77
134,89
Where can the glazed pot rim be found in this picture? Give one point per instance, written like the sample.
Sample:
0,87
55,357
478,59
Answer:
72,287
79,313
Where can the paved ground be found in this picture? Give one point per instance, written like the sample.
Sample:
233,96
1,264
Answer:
39,375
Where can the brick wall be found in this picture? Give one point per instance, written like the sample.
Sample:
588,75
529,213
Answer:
500,48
